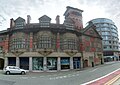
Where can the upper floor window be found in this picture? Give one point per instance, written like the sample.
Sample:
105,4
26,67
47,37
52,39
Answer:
69,26
44,21
19,44
69,23
19,23
76,13
70,44
44,24
44,42
1,39
19,41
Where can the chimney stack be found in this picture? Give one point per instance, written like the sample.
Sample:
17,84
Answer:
57,19
12,23
28,19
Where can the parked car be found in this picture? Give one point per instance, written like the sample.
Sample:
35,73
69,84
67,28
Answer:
13,70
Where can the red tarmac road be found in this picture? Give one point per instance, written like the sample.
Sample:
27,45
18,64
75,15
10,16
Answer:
108,80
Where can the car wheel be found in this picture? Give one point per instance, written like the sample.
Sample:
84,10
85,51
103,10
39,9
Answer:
8,72
22,72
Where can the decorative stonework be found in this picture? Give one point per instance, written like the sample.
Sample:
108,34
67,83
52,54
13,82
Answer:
17,52
70,52
45,51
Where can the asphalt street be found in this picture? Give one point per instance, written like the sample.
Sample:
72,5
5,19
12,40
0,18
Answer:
59,78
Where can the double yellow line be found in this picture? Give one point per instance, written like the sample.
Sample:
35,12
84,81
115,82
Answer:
110,82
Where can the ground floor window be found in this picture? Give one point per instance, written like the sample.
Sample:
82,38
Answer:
37,63
11,61
24,63
52,63
65,63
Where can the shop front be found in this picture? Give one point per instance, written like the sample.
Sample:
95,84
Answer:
52,63
11,61
37,63
24,63
65,63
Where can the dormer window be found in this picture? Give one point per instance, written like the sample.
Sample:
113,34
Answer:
44,21
19,23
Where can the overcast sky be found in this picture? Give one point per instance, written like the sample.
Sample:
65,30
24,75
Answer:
36,8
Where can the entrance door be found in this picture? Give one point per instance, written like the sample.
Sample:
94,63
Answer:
76,63
85,63
1,63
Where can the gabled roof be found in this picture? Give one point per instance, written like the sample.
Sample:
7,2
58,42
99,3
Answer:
19,19
44,18
90,28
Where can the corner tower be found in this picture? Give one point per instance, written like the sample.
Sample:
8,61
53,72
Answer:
75,15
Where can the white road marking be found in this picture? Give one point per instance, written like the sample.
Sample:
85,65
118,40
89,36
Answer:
24,77
33,77
99,78
94,70
77,74
56,76
64,76
61,77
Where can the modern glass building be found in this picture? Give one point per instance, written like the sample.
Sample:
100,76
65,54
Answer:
109,33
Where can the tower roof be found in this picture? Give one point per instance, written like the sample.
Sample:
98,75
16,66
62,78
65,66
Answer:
69,8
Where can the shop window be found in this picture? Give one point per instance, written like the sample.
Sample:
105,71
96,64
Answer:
65,63
52,63
37,63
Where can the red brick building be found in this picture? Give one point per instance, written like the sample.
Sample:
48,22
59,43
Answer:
48,46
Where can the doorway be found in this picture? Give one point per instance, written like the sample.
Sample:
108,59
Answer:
86,63
76,62
1,63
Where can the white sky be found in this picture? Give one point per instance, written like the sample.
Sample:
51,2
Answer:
37,8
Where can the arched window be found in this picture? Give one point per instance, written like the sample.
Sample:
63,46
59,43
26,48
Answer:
44,41
19,40
69,41
69,44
